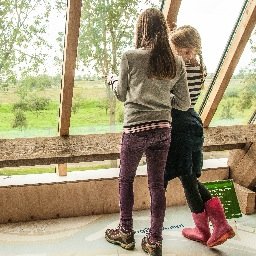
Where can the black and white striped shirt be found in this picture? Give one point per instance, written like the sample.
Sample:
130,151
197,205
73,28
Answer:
195,82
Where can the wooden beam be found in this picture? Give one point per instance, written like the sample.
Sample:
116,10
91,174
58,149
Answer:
230,62
246,199
61,169
228,137
69,63
170,11
98,147
242,166
68,71
59,150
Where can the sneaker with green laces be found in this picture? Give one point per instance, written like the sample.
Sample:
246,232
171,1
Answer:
152,249
119,237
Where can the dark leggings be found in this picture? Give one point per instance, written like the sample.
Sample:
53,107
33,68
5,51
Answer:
196,193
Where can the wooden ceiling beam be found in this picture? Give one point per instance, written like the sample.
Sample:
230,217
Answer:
170,11
233,54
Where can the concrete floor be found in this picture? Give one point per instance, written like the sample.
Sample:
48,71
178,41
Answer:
85,236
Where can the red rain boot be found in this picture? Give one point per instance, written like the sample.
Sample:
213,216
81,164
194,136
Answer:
221,229
201,232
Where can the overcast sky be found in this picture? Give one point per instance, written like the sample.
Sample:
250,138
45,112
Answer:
215,20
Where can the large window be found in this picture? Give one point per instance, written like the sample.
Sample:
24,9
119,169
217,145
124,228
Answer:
30,67
106,31
239,100
214,20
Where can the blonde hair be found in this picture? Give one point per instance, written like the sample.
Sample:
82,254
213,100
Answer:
188,37
152,32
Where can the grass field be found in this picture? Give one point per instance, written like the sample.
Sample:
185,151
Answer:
51,169
90,117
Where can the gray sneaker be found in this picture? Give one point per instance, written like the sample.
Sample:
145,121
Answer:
119,237
152,249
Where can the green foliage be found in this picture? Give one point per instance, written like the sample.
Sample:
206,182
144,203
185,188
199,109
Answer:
104,104
120,115
76,105
38,104
107,28
23,28
39,82
231,93
22,105
226,109
245,100
20,120
247,94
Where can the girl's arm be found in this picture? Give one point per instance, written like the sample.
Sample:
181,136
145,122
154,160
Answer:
119,85
122,86
181,98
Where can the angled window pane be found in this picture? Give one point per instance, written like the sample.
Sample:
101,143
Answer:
239,101
208,17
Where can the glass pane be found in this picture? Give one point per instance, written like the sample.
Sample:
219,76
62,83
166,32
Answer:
208,17
106,31
214,19
239,100
30,67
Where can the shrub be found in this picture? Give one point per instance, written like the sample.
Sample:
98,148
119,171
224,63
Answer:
20,119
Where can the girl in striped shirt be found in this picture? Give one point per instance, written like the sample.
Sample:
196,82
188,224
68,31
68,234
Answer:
185,158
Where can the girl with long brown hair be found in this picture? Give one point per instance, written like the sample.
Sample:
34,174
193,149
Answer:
147,76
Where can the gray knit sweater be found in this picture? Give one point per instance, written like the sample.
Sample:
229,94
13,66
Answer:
147,99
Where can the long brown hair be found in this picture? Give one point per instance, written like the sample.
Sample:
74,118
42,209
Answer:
152,32
188,37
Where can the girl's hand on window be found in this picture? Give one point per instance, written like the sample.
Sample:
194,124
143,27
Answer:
112,81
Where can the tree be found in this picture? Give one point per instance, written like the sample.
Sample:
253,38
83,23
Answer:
107,28
226,110
104,104
37,104
23,26
76,104
20,119
247,97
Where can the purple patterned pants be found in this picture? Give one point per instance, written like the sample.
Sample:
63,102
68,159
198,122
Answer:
155,144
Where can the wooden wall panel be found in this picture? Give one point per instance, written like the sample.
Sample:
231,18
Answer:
82,198
243,167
